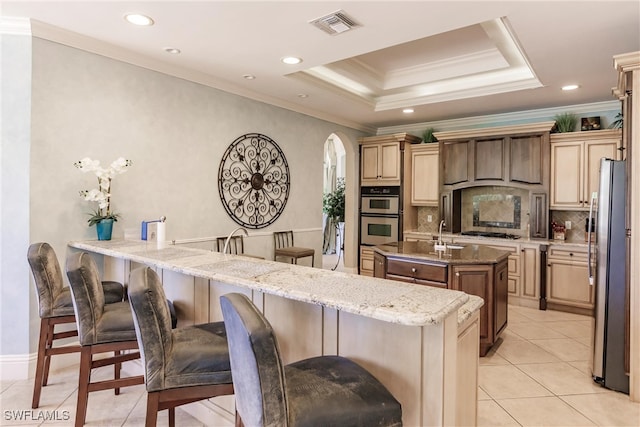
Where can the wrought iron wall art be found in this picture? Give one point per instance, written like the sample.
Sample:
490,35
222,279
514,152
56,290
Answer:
253,180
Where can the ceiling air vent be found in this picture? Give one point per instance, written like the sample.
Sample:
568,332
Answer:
335,23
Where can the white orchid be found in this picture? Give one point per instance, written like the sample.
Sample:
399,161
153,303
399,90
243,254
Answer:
102,194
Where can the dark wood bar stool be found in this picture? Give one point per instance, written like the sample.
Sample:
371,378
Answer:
236,244
102,328
284,247
182,365
55,308
320,391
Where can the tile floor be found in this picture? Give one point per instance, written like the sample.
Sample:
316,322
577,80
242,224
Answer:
537,375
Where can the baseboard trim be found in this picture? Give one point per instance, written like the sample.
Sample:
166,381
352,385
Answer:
15,367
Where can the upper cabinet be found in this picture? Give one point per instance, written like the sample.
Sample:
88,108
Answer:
575,165
381,159
515,156
424,174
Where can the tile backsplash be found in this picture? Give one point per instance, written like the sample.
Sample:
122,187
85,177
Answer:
578,222
425,226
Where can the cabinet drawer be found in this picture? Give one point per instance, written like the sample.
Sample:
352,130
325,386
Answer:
442,285
576,255
417,270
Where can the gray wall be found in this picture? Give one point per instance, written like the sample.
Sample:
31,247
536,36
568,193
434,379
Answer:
174,131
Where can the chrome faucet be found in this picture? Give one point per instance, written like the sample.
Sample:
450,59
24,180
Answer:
226,242
440,245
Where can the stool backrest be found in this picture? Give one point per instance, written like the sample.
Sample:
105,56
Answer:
256,365
283,239
152,320
88,295
236,244
47,276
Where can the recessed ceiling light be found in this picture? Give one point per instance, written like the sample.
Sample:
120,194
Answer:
249,76
408,110
172,50
303,95
291,60
138,19
570,87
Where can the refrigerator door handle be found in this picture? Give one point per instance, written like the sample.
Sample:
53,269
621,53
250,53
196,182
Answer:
594,196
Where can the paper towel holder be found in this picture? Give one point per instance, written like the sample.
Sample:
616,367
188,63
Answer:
143,232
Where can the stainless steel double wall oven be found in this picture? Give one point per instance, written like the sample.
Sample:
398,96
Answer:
379,215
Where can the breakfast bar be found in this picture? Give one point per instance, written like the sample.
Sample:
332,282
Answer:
420,342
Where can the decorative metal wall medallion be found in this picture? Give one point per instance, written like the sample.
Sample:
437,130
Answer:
253,180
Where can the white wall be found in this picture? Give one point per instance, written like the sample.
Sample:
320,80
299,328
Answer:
174,131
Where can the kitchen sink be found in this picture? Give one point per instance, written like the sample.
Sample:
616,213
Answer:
455,247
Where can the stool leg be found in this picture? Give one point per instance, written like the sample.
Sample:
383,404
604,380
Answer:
83,385
153,401
42,342
47,357
116,371
172,417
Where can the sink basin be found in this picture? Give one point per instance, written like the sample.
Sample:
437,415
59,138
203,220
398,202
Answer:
455,247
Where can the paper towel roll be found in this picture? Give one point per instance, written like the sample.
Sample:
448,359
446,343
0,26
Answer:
162,235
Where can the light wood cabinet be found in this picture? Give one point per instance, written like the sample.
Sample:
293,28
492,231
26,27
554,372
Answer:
568,280
575,165
425,169
366,261
380,163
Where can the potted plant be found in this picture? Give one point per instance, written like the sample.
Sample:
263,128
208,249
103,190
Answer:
428,136
565,122
333,202
618,122
103,217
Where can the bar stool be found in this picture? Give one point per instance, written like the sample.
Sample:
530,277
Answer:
182,365
55,308
102,328
236,244
284,247
320,391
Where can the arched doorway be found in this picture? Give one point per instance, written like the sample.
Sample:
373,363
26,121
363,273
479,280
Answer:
334,183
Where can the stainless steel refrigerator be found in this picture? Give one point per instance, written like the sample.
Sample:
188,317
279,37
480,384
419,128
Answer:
607,259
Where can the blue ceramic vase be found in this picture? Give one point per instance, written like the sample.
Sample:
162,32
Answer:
104,228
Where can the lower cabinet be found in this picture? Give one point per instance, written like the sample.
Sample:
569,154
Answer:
568,285
366,261
488,281
491,284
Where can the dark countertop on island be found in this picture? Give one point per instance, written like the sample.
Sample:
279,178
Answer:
424,250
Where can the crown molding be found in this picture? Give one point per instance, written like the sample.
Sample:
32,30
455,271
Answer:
10,25
490,120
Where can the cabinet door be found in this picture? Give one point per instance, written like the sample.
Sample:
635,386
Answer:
389,161
369,166
538,212
594,151
566,175
489,159
366,261
568,283
530,273
501,291
526,161
455,156
424,176
476,280
379,266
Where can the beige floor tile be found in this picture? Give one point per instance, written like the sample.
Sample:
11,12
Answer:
583,365
561,378
482,395
5,385
544,411
514,317
493,358
607,409
572,329
524,352
531,331
549,315
566,349
491,414
506,381
138,415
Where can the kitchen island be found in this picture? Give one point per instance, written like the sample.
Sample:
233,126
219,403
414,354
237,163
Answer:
474,269
405,335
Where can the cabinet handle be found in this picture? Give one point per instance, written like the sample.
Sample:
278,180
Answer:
570,253
413,269
548,265
457,274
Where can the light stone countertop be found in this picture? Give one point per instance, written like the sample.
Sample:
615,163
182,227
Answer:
448,237
424,250
386,300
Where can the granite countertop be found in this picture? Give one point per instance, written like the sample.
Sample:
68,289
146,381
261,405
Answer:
386,300
424,250
449,237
